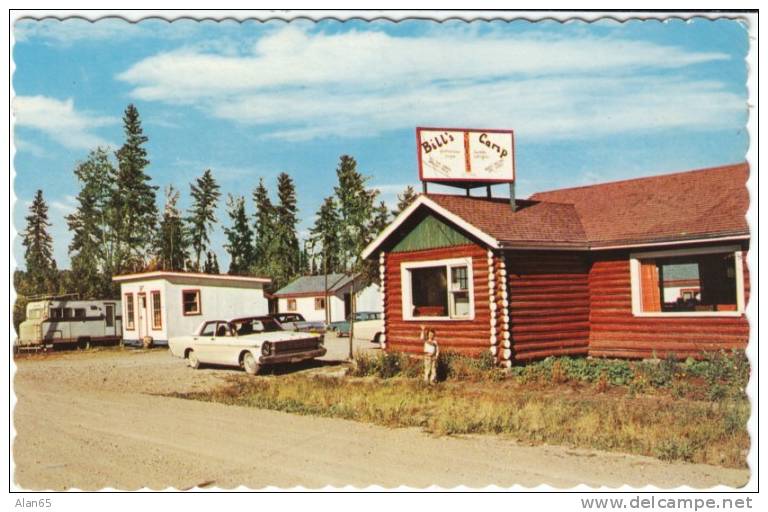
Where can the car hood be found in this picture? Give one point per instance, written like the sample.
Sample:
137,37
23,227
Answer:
275,337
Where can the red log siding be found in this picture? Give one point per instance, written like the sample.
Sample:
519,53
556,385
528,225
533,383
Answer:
616,332
549,304
465,336
502,305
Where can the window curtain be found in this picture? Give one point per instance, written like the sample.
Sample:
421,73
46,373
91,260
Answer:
649,286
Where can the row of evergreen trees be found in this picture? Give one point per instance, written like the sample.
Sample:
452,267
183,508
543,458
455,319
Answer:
116,227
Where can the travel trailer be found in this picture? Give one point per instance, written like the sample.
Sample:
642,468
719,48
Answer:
60,322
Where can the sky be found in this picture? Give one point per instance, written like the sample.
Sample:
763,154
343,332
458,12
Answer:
589,102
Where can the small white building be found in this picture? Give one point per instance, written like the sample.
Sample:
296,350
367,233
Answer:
307,296
161,305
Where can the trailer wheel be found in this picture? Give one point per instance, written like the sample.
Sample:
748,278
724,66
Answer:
249,364
84,343
192,360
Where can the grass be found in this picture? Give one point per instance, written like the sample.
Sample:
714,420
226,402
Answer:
694,411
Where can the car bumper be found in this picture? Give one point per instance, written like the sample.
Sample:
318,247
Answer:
294,357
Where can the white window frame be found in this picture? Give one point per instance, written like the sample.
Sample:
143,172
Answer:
634,271
407,295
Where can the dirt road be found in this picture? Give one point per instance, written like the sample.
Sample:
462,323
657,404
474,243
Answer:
93,420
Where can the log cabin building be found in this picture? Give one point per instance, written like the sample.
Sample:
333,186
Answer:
637,268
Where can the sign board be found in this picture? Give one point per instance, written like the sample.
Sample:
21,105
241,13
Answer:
466,157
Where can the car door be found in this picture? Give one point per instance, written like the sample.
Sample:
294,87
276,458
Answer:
203,342
223,347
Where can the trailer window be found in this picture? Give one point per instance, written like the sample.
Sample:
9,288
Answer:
56,314
191,302
68,314
129,312
439,290
693,282
157,316
79,313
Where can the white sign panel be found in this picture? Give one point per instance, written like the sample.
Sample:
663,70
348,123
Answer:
464,155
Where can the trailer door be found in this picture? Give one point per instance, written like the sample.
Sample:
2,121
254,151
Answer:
109,320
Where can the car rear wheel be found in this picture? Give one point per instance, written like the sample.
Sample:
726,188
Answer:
192,360
249,364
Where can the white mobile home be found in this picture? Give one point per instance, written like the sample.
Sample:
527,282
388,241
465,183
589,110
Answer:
160,305
307,296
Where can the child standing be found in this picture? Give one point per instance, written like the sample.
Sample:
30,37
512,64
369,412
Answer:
431,353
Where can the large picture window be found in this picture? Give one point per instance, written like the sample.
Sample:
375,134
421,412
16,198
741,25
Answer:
438,290
706,282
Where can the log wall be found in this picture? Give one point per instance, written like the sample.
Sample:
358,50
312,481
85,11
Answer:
549,303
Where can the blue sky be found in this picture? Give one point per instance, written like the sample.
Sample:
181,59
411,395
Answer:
588,102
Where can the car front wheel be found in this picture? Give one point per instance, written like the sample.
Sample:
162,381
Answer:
249,364
193,361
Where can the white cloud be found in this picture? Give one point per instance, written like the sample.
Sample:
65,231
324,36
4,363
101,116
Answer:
360,83
60,121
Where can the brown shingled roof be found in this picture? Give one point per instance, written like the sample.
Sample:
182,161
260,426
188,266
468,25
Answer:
533,223
705,203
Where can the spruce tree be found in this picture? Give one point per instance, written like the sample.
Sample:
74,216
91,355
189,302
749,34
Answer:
92,238
202,215
134,212
324,237
284,247
404,200
172,244
355,212
239,237
38,243
264,227
211,263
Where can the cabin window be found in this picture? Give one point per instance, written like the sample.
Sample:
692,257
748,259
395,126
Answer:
56,314
79,313
689,282
129,320
319,303
291,304
438,290
191,302
157,316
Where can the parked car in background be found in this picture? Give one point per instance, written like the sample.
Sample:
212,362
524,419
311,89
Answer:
249,343
368,326
296,322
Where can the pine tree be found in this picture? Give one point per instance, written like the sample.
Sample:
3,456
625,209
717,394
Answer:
379,221
264,227
239,237
211,263
92,238
38,255
355,212
404,200
324,237
133,210
172,243
202,215
284,247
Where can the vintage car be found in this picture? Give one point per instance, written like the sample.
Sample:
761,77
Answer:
249,343
297,322
368,326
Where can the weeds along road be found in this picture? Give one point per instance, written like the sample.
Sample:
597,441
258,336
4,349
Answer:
93,420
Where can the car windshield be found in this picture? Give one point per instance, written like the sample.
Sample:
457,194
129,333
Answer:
246,326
